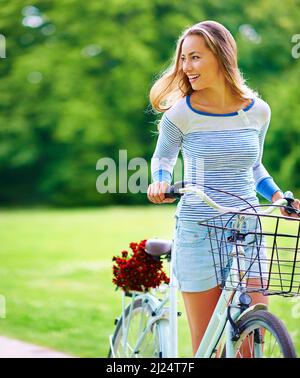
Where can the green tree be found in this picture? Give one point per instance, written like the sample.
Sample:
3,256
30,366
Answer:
75,83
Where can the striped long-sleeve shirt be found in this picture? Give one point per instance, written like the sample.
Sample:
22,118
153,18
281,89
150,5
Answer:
222,151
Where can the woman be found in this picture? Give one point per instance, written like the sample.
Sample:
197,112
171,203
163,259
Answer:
220,124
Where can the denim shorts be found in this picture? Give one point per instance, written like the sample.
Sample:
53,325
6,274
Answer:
195,266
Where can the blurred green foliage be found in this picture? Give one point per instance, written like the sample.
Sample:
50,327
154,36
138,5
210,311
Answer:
75,82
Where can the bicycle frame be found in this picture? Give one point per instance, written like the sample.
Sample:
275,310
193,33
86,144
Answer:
219,318
216,326
227,311
218,322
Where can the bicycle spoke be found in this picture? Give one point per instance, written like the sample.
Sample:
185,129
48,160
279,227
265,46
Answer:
269,345
250,345
274,344
142,339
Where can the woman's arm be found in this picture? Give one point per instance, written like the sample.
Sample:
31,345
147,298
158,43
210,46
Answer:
163,160
264,183
166,151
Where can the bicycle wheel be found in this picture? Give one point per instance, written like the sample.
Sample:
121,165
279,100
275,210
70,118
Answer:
263,335
154,339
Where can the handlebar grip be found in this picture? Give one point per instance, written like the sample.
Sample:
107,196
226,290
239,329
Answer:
289,196
174,190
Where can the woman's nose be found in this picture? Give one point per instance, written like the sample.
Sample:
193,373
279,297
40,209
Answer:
186,67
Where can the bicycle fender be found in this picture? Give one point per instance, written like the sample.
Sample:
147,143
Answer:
257,306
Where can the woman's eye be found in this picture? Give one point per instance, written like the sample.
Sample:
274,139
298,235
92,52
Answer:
195,57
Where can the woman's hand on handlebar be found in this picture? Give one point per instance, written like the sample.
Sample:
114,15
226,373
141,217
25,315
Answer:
156,193
295,205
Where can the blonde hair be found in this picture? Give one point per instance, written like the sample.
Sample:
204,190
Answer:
173,84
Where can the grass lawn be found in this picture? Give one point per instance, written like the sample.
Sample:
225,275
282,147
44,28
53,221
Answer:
55,273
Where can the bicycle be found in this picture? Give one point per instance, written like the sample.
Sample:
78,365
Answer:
148,328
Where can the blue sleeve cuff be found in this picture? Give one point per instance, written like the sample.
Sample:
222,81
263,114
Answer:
267,188
162,175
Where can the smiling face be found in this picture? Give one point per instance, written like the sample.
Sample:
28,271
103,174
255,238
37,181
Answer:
199,63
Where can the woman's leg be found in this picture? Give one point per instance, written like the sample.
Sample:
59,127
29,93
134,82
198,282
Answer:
199,308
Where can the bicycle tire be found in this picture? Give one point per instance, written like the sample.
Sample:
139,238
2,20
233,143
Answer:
262,319
159,333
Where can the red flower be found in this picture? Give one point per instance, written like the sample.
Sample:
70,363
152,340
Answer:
139,271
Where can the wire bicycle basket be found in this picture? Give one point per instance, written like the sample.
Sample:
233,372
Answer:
271,251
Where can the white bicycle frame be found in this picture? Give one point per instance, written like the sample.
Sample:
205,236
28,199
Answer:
218,321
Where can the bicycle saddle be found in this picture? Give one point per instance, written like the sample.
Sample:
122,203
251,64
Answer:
158,247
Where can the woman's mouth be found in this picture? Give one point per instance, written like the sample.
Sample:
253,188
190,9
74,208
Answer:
193,78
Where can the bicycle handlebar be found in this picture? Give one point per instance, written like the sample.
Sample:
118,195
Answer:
178,189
